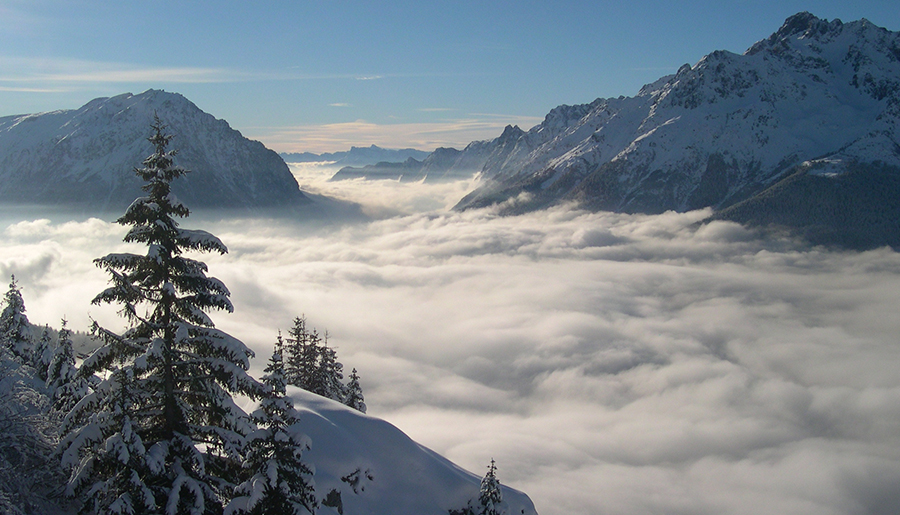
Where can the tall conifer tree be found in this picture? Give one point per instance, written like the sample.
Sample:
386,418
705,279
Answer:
184,370
328,375
301,355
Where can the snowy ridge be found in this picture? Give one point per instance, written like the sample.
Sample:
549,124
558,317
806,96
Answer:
86,156
384,471
719,131
374,467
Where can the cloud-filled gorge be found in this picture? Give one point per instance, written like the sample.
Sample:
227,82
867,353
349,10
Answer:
609,363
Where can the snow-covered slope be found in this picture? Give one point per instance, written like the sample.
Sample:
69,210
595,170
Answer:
717,132
386,472
85,157
370,465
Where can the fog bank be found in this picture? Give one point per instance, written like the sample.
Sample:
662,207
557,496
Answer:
609,363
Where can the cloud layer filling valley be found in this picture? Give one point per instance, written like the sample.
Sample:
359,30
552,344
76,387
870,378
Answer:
609,363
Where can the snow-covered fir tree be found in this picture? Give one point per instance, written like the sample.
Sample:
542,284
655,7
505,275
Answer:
184,370
490,497
116,475
66,387
301,355
311,364
354,395
43,353
328,376
15,330
279,481
61,368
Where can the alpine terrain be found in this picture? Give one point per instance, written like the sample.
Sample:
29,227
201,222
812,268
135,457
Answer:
801,130
362,464
356,156
85,157
148,422
444,164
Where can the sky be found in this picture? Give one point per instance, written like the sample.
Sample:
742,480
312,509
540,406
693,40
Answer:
609,363
324,76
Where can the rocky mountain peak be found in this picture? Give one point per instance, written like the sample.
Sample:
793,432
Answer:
511,133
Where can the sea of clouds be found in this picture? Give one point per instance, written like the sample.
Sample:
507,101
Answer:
611,364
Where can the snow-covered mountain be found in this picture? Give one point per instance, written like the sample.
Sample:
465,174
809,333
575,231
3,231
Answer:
816,95
85,157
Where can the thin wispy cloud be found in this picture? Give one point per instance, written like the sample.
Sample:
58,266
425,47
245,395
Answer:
174,75
339,104
42,71
25,89
670,69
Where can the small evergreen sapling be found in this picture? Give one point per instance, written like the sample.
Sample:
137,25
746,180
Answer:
280,482
354,397
490,497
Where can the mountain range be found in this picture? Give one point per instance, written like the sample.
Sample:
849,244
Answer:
444,164
85,157
356,156
799,131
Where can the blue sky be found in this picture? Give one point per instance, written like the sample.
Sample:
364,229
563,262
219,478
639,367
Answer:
321,76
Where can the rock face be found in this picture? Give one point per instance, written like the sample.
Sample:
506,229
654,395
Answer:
85,157
817,97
